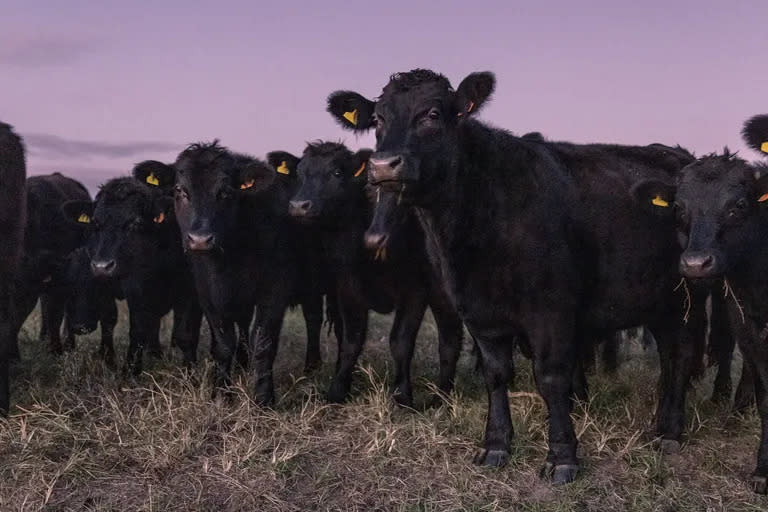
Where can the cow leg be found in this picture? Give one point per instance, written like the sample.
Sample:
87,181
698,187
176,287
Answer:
312,308
144,328
554,365
497,354
402,341
610,353
108,321
6,342
223,350
55,315
721,344
187,318
745,392
450,331
243,351
354,315
265,338
679,346
45,329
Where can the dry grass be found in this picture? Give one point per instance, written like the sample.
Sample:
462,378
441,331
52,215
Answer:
81,438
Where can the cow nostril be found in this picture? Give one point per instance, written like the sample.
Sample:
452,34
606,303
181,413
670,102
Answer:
375,240
395,162
300,207
707,262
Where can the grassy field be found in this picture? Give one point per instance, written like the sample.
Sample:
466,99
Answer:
82,438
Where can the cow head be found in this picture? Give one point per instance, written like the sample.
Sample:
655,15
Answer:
331,179
417,119
124,225
719,205
211,183
83,304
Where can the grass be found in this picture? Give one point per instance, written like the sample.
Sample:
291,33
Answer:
81,437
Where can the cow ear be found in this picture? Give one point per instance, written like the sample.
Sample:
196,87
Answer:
351,110
255,177
755,133
283,162
78,212
473,92
155,173
360,164
162,208
654,196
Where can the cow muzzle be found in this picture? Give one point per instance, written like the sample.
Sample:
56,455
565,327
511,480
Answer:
699,264
197,241
386,168
103,268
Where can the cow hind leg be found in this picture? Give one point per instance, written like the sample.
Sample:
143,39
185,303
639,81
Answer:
721,343
312,309
450,331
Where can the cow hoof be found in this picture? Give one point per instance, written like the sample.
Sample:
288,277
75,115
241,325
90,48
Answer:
337,393
491,458
669,447
564,474
401,400
759,484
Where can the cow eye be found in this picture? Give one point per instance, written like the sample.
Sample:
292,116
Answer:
434,114
376,121
180,192
337,173
223,195
742,204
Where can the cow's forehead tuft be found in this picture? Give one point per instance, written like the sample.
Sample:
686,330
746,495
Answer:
405,81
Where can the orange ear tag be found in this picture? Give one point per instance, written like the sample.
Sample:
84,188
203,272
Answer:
160,218
248,184
658,201
471,106
763,198
283,169
360,170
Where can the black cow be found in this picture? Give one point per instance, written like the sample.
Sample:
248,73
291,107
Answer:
332,198
535,240
244,251
721,213
13,209
49,239
135,250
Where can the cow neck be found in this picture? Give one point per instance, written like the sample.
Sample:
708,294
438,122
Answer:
343,235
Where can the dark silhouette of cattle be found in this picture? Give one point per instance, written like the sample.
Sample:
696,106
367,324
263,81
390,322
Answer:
537,241
244,251
721,213
135,250
332,198
12,212
49,239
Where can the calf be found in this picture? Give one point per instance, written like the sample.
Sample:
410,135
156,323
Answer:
48,241
537,241
134,248
721,213
12,211
244,251
332,198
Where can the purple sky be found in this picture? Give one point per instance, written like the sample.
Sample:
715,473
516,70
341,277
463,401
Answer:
95,87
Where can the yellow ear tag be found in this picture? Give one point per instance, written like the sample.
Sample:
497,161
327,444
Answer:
351,117
160,218
764,147
283,169
658,201
360,170
84,218
763,198
152,179
248,184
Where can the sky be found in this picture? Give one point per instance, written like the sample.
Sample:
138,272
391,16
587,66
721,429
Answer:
95,87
